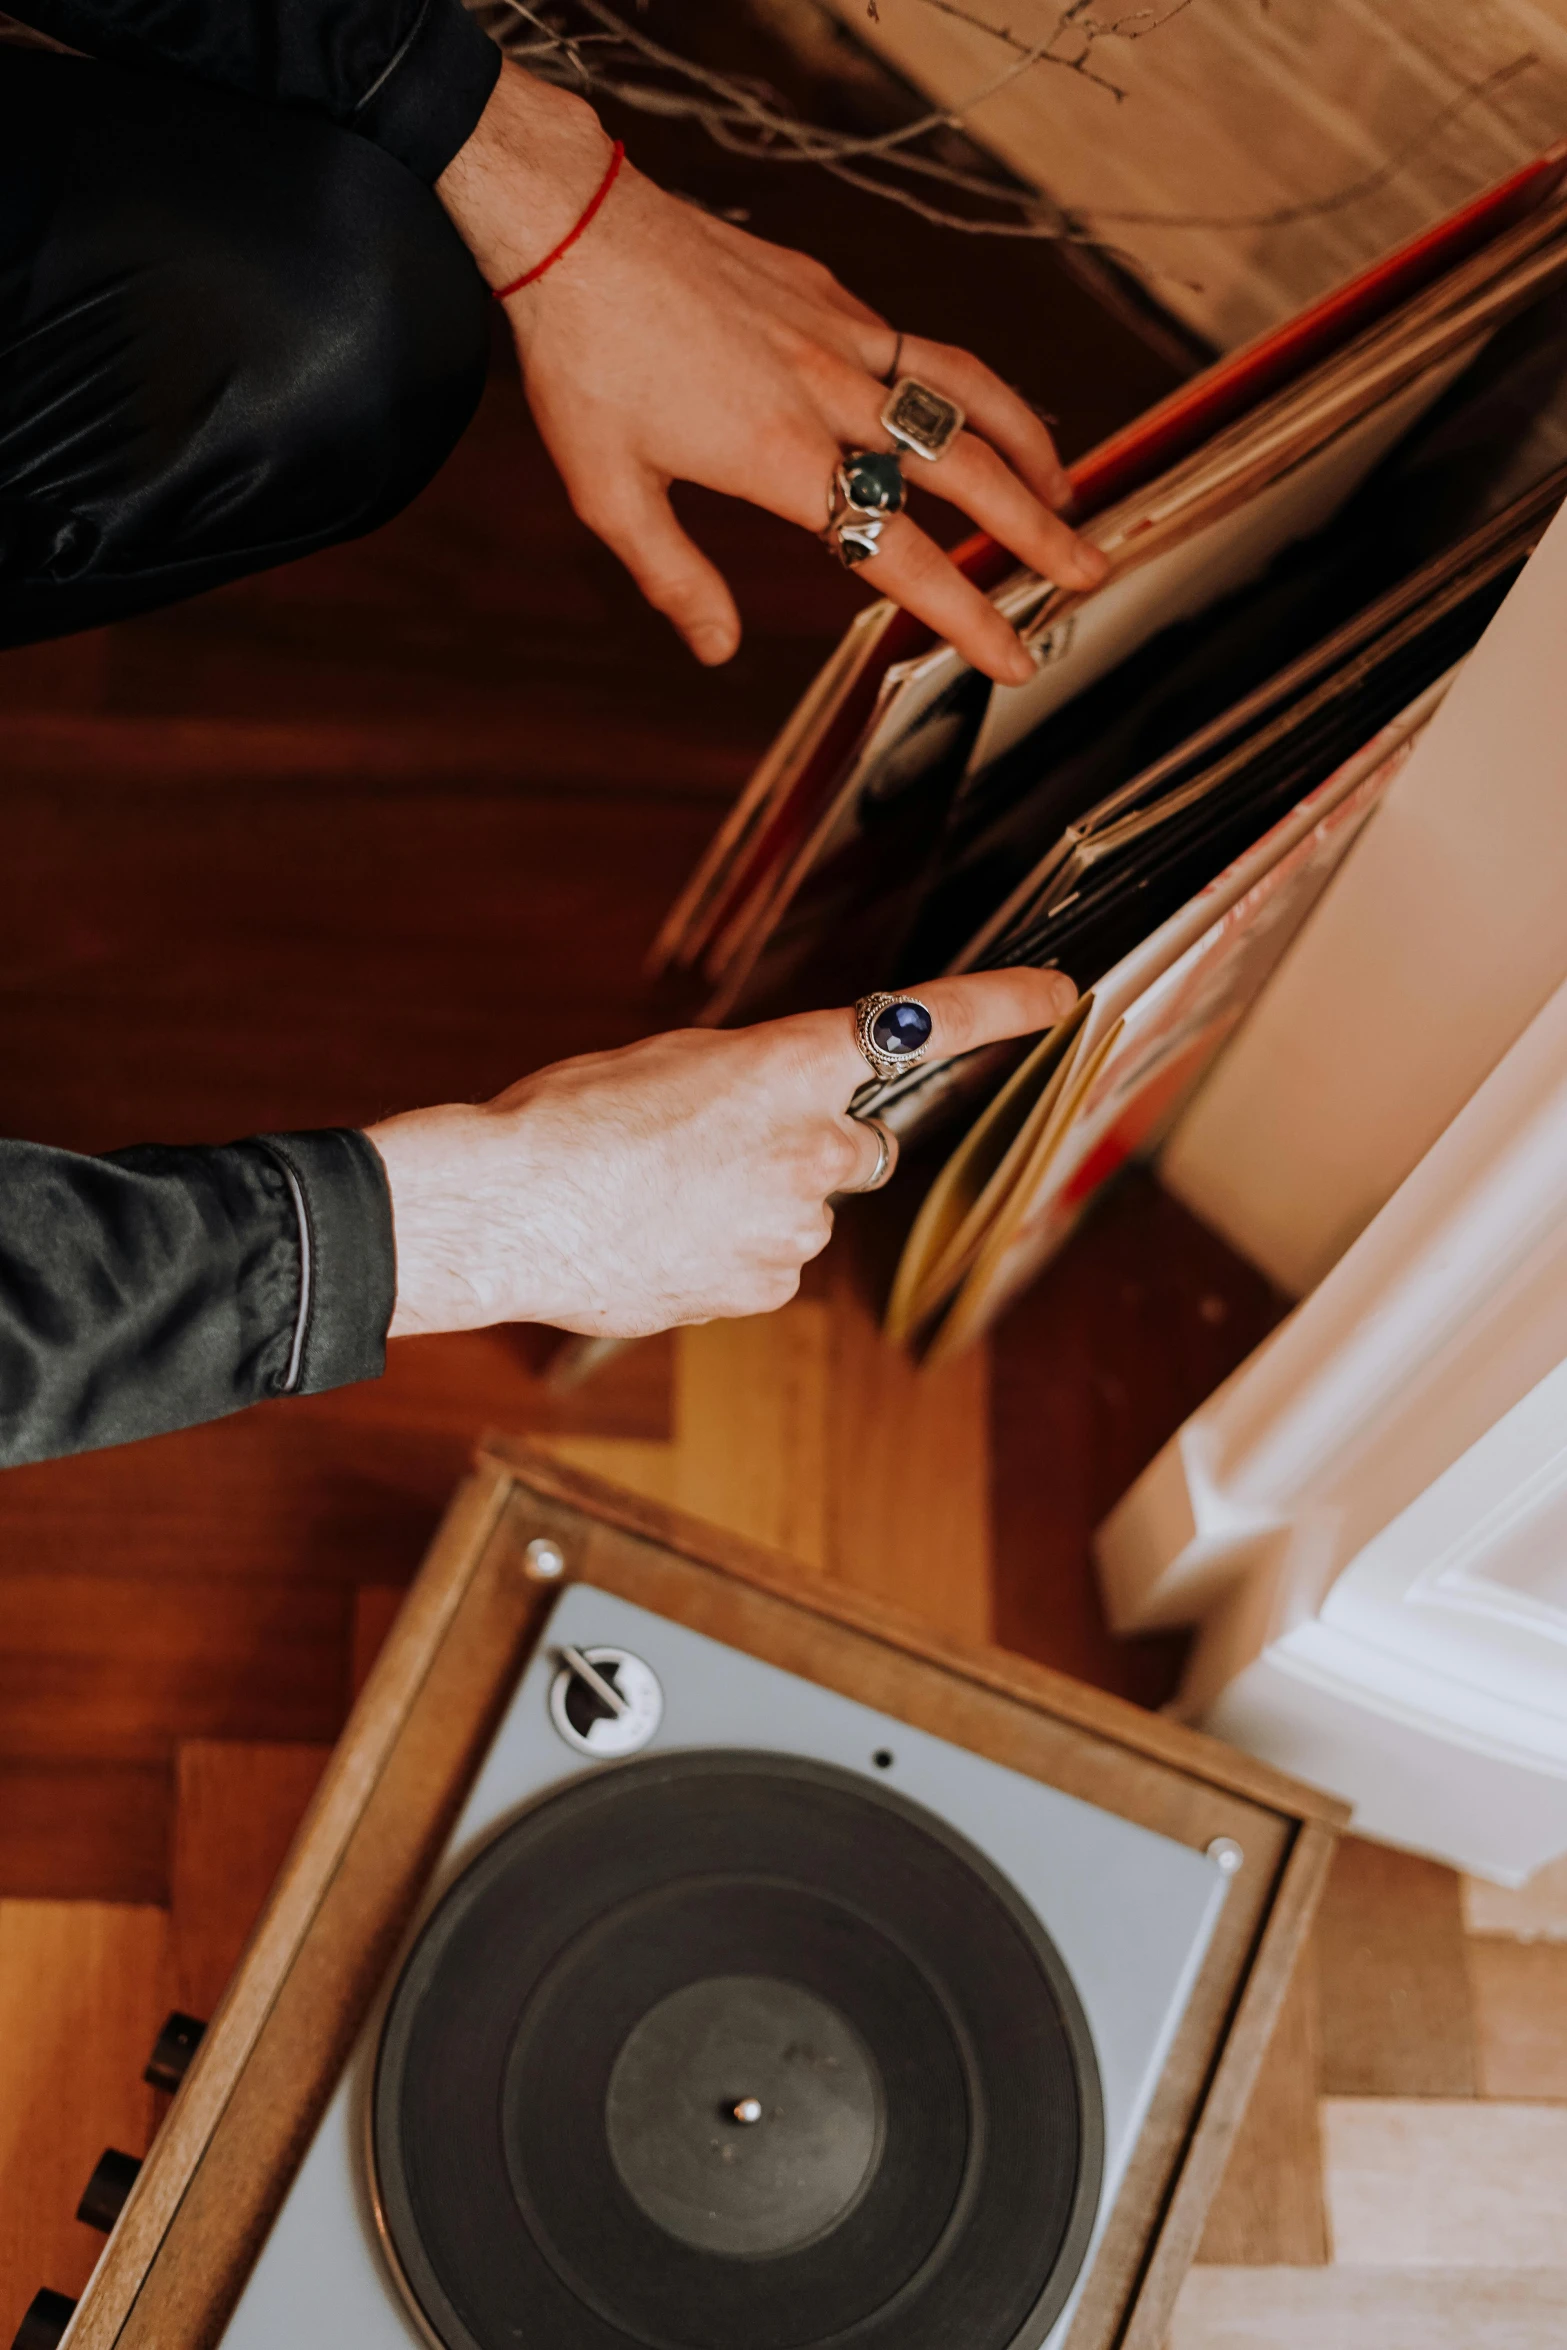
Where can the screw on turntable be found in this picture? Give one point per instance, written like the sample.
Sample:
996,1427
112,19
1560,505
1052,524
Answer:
725,2047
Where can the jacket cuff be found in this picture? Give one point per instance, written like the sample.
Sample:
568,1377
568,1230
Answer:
348,1262
432,94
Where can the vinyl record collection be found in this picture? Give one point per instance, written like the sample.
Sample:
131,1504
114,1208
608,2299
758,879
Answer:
1304,545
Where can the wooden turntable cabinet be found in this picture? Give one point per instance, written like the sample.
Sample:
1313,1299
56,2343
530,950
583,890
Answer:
522,1531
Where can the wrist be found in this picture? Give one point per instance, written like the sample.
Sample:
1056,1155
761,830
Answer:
452,1274
534,161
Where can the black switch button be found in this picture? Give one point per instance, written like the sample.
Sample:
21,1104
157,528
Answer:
178,2042
107,2189
44,2326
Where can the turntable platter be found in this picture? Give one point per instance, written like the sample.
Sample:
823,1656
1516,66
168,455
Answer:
721,2048
744,2115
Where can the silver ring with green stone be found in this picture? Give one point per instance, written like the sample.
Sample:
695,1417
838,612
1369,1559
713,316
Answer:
893,1032
867,487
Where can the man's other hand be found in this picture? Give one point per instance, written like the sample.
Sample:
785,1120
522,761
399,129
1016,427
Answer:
668,346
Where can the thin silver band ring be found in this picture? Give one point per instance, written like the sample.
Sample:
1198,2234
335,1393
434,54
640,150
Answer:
886,1154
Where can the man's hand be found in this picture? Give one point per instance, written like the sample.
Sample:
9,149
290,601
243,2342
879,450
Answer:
678,1180
668,346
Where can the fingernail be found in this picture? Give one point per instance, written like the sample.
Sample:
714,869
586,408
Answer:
1020,665
1090,564
712,644
1060,491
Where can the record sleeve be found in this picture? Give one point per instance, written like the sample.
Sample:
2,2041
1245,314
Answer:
792,791
1176,840
1150,1054
827,929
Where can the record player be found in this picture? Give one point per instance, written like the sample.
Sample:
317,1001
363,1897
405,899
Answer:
678,1956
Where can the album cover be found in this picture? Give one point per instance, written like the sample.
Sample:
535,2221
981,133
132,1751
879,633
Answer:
1107,769
835,918
1127,1073
1121,874
1312,587
748,843
1198,814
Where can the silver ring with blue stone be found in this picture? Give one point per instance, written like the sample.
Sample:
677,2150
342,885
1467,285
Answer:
867,487
894,1031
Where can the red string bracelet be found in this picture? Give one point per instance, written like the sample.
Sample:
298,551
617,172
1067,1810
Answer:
616,158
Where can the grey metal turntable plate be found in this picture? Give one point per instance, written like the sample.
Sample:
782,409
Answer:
1129,1911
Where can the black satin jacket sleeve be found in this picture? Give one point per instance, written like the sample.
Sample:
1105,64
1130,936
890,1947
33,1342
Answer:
156,1287
413,75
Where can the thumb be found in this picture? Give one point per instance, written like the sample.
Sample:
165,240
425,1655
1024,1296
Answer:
635,519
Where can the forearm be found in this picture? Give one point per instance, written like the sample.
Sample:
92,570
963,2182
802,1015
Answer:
158,1287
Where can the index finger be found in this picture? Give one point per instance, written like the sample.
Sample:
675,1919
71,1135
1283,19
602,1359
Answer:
977,1008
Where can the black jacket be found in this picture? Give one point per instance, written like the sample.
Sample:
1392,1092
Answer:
413,75
159,1286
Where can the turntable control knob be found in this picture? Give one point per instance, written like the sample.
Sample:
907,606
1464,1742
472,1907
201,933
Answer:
177,2043
48,2315
605,1702
108,2188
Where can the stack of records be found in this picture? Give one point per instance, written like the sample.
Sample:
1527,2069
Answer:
1304,544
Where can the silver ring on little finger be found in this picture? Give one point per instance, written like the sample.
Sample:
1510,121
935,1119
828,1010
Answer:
866,488
886,1149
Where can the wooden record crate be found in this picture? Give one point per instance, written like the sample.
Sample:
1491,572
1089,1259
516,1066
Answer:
237,2131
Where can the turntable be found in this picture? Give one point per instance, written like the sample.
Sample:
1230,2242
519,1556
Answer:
672,1961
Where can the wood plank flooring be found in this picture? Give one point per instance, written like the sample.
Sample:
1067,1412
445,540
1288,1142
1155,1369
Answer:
1396,1991
1271,2208
1371,2309
397,824
1433,2183
81,1998
1399,2180
237,1809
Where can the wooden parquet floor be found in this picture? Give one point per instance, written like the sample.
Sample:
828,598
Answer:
397,825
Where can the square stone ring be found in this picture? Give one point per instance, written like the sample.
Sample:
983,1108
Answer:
922,420
894,1031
